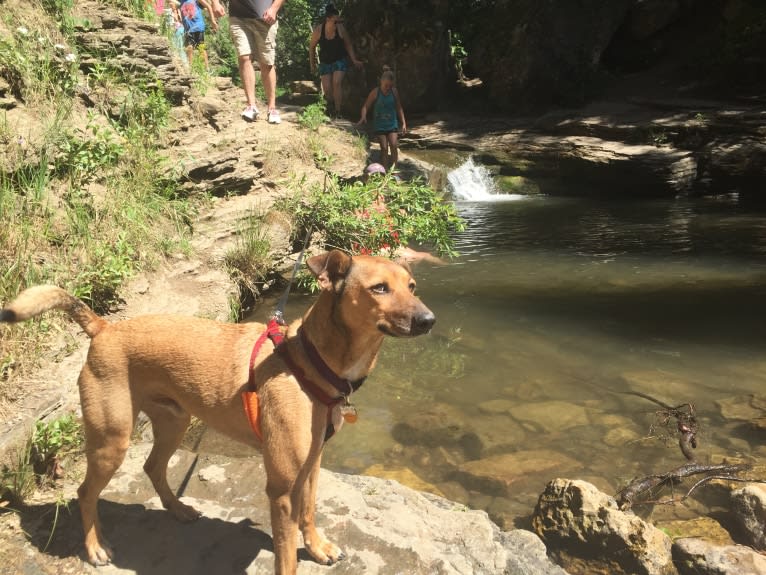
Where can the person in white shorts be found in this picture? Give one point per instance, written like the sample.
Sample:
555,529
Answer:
254,25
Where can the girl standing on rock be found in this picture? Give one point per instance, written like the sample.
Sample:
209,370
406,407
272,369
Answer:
387,107
335,49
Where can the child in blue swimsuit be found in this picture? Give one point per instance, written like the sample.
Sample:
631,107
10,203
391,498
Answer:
387,108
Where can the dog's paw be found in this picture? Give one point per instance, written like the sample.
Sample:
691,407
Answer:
99,555
341,556
182,512
326,552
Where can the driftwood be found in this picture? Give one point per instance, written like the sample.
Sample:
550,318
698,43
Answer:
626,497
684,417
685,420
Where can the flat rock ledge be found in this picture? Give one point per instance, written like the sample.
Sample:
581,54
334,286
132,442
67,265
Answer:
383,527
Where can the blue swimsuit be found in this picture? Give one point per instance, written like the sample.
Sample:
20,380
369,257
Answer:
384,113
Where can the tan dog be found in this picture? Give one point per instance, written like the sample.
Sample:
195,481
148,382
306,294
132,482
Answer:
172,367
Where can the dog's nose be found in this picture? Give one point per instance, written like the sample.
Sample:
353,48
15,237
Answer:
422,322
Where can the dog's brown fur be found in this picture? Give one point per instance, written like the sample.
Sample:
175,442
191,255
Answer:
172,367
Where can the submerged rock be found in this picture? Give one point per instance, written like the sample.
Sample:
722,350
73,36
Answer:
498,473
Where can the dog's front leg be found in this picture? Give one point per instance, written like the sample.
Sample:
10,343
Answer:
284,499
321,549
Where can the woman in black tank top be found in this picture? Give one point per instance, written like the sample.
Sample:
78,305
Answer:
335,50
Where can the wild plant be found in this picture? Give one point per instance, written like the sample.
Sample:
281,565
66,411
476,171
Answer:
374,217
248,261
38,67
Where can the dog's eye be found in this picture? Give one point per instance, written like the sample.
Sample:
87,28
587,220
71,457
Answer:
412,287
379,288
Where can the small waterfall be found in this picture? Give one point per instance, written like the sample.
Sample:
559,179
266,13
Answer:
473,183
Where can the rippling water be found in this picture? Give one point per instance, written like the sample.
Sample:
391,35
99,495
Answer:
555,309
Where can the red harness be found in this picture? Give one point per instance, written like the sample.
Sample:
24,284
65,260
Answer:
274,332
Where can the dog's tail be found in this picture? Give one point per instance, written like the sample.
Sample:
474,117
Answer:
36,300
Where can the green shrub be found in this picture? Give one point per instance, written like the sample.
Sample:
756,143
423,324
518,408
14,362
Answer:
84,153
52,441
314,115
351,218
40,457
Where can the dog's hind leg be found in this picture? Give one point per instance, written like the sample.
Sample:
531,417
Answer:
169,423
322,550
106,441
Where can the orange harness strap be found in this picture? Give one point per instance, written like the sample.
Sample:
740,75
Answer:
250,398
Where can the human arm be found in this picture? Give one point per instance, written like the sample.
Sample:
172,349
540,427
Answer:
367,104
207,6
270,16
218,8
349,46
313,48
400,112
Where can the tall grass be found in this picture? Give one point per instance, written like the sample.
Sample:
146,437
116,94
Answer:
248,262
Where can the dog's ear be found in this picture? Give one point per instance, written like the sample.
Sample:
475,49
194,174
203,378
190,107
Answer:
329,267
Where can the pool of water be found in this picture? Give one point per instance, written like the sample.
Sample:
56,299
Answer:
556,312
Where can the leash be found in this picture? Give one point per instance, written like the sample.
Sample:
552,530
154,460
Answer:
279,313
277,319
274,332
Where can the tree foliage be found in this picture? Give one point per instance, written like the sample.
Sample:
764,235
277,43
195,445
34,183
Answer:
296,21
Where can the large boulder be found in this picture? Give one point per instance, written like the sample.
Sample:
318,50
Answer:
409,36
532,54
574,517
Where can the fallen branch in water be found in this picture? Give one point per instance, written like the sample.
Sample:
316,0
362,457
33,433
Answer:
626,497
685,418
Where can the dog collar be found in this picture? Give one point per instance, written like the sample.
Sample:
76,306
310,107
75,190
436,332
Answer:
344,386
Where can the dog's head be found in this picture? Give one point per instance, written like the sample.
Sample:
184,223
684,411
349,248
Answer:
373,292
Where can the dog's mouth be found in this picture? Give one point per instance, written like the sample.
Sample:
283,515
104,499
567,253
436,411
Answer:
419,324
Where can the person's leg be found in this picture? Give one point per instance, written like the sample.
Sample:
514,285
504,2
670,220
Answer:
269,79
247,74
337,89
202,49
393,149
204,57
265,47
189,48
383,141
243,43
326,80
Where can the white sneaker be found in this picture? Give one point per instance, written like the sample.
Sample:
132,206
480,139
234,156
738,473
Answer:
274,117
250,113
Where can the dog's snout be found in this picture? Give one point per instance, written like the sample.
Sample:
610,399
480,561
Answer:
423,322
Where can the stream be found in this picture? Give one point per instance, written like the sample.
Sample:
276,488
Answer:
556,312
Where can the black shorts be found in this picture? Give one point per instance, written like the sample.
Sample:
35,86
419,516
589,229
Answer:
386,132
194,39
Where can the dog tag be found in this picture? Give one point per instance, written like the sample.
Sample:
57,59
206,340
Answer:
349,414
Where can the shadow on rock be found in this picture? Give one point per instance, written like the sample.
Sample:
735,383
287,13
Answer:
150,541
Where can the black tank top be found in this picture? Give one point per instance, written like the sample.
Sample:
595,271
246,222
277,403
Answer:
331,50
